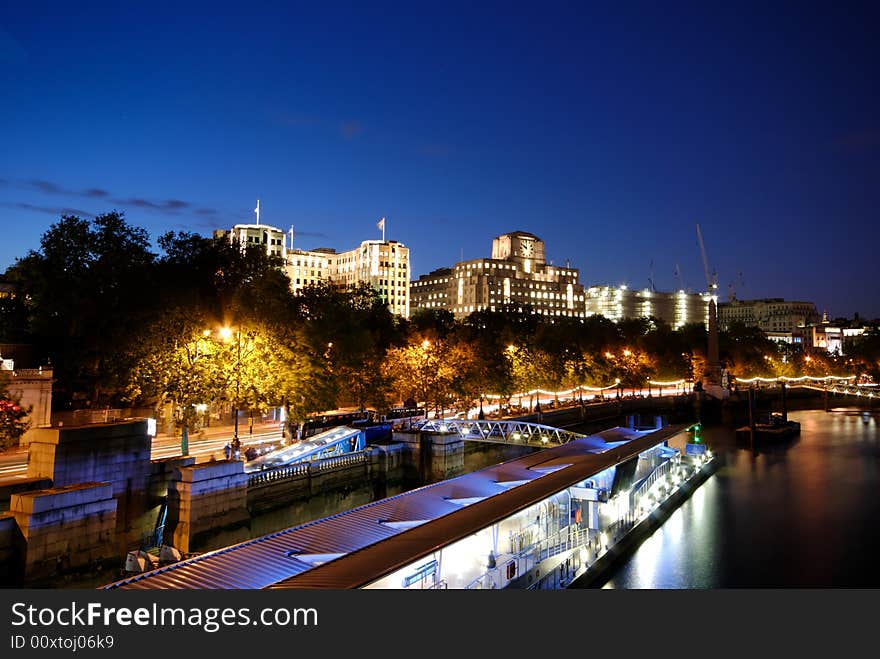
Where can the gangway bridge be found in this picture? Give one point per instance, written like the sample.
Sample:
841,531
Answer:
502,432
330,443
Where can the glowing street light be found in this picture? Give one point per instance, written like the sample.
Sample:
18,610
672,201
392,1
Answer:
226,334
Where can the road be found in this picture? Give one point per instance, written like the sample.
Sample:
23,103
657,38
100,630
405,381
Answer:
13,463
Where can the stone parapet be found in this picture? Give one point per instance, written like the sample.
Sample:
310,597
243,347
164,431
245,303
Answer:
115,453
64,529
205,497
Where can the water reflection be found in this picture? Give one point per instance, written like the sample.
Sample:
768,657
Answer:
799,514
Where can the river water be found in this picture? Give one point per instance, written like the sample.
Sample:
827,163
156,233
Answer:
802,514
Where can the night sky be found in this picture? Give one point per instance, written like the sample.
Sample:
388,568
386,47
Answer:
608,133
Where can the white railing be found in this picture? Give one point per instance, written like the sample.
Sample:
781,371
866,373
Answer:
300,469
508,432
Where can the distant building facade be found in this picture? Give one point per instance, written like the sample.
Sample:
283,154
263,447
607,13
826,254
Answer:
834,339
517,276
33,387
677,309
770,315
308,267
383,264
269,237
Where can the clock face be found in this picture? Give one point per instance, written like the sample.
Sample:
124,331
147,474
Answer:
526,248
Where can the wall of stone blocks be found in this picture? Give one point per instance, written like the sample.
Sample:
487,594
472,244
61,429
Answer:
65,529
114,453
19,485
203,498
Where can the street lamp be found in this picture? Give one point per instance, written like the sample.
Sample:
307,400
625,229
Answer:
226,333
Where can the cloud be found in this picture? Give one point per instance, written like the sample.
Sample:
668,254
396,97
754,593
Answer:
46,186
857,141
163,206
167,206
347,129
350,129
49,210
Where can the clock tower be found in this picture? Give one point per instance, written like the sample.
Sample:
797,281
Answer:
519,246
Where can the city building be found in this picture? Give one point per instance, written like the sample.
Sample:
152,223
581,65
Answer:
33,387
770,315
383,264
677,309
272,238
304,267
517,276
834,339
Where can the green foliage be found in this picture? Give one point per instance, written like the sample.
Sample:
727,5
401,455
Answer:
84,292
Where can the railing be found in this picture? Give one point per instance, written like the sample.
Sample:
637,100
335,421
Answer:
32,373
660,471
347,460
513,432
563,540
298,470
92,416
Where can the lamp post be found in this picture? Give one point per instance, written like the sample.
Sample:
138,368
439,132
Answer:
423,375
236,442
185,420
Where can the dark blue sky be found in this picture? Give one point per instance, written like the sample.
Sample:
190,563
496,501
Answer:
609,133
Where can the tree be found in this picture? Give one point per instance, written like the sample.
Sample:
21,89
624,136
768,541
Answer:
432,370
179,362
104,269
349,330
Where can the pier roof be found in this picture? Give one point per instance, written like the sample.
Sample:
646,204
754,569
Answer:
356,547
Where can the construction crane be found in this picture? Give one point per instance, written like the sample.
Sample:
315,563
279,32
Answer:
711,281
735,286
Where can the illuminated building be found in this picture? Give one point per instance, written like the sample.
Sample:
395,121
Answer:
834,339
305,268
770,315
618,302
517,277
384,265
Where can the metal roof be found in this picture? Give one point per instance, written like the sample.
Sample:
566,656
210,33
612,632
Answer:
356,547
